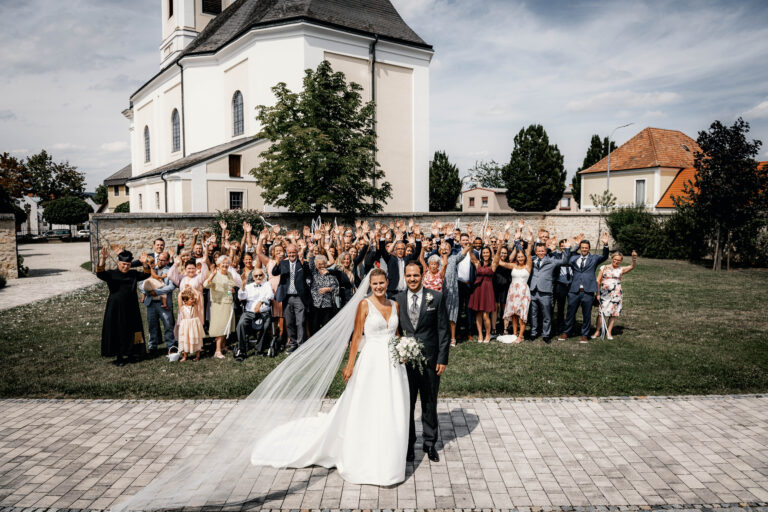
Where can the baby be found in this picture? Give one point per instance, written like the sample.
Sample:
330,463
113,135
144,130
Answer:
154,283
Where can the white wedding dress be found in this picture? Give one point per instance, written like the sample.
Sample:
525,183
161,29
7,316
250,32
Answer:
365,435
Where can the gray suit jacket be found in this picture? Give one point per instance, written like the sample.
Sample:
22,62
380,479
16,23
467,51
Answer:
543,275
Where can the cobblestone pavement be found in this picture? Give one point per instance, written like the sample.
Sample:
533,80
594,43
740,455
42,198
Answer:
590,454
54,268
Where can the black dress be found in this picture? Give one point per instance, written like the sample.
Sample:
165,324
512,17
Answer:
122,333
501,280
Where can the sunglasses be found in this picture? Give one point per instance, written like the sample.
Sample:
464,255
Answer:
258,275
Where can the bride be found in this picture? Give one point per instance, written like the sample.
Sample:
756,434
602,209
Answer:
364,435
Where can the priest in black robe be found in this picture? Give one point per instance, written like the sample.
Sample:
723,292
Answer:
122,333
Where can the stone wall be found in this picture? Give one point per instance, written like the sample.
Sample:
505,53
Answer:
136,231
8,261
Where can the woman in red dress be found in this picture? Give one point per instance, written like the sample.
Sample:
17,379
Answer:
483,300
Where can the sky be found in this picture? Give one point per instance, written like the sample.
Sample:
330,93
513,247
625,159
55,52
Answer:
575,67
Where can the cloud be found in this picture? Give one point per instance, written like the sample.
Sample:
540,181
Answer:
66,146
114,147
121,83
19,151
759,111
6,115
653,114
612,99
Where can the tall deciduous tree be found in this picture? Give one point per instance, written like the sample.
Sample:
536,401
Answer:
14,177
597,151
486,174
729,188
322,148
534,176
53,180
444,183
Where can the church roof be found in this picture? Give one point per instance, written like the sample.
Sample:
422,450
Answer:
120,177
196,158
652,147
369,17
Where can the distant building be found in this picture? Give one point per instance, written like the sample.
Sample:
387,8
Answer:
117,188
193,126
566,203
642,168
482,199
36,223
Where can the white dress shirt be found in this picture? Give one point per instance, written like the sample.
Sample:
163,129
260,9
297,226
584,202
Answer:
254,293
463,269
401,267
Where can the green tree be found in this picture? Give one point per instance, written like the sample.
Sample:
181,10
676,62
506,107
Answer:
597,151
123,207
67,210
53,180
101,194
444,184
487,174
322,151
535,176
14,177
729,189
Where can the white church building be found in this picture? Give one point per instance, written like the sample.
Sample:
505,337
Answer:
193,124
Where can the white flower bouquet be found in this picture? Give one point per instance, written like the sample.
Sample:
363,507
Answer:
406,350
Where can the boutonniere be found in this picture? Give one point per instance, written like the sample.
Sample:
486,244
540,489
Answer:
429,298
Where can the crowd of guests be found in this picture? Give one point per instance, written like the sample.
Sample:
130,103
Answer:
273,288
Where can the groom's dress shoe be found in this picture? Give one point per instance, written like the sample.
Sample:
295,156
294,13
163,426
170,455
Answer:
432,454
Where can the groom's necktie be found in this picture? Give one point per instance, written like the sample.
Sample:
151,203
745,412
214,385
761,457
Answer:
413,311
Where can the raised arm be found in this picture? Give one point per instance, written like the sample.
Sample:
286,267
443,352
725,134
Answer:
362,313
631,267
528,260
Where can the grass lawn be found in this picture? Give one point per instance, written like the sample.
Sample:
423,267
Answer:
685,330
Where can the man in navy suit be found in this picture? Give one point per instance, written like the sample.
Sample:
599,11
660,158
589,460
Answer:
293,292
583,287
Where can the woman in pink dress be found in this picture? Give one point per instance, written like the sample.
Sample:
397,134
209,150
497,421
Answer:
433,275
519,295
482,300
193,278
611,296
190,329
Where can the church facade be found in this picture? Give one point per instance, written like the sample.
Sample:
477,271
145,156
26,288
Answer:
193,125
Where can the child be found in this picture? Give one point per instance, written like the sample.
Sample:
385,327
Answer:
154,283
190,329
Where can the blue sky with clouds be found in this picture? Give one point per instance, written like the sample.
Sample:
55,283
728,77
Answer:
576,67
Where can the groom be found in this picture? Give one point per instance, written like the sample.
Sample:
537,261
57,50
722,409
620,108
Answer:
423,316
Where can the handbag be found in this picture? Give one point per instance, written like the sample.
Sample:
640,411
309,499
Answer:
258,322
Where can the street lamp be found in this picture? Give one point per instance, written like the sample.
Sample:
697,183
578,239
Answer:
608,173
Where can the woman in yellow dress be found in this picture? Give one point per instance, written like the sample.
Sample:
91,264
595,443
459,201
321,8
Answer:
221,285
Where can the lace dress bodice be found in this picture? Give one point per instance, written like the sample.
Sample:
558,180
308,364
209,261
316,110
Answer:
520,275
376,327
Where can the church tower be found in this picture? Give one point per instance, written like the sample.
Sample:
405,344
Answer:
182,21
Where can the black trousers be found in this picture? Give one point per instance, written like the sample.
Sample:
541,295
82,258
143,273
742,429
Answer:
318,317
244,329
559,296
426,386
293,311
465,290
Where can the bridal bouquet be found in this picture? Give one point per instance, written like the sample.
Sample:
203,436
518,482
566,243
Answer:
407,350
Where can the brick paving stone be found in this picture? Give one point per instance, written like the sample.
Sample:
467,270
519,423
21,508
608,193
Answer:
564,454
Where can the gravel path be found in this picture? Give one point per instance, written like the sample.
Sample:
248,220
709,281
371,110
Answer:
54,268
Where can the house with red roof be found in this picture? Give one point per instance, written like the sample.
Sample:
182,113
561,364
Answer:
644,171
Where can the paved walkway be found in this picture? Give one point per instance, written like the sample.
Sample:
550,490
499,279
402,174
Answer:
497,453
54,268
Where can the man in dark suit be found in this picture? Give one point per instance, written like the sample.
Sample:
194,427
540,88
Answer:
583,287
396,263
562,284
543,271
423,316
293,292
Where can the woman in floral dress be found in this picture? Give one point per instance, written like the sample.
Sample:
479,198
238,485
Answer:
611,298
519,295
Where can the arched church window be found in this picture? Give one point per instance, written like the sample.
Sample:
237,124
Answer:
237,113
176,130
146,144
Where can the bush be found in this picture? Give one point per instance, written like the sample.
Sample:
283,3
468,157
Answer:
680,236
234,220
23,271
123,208
67,210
